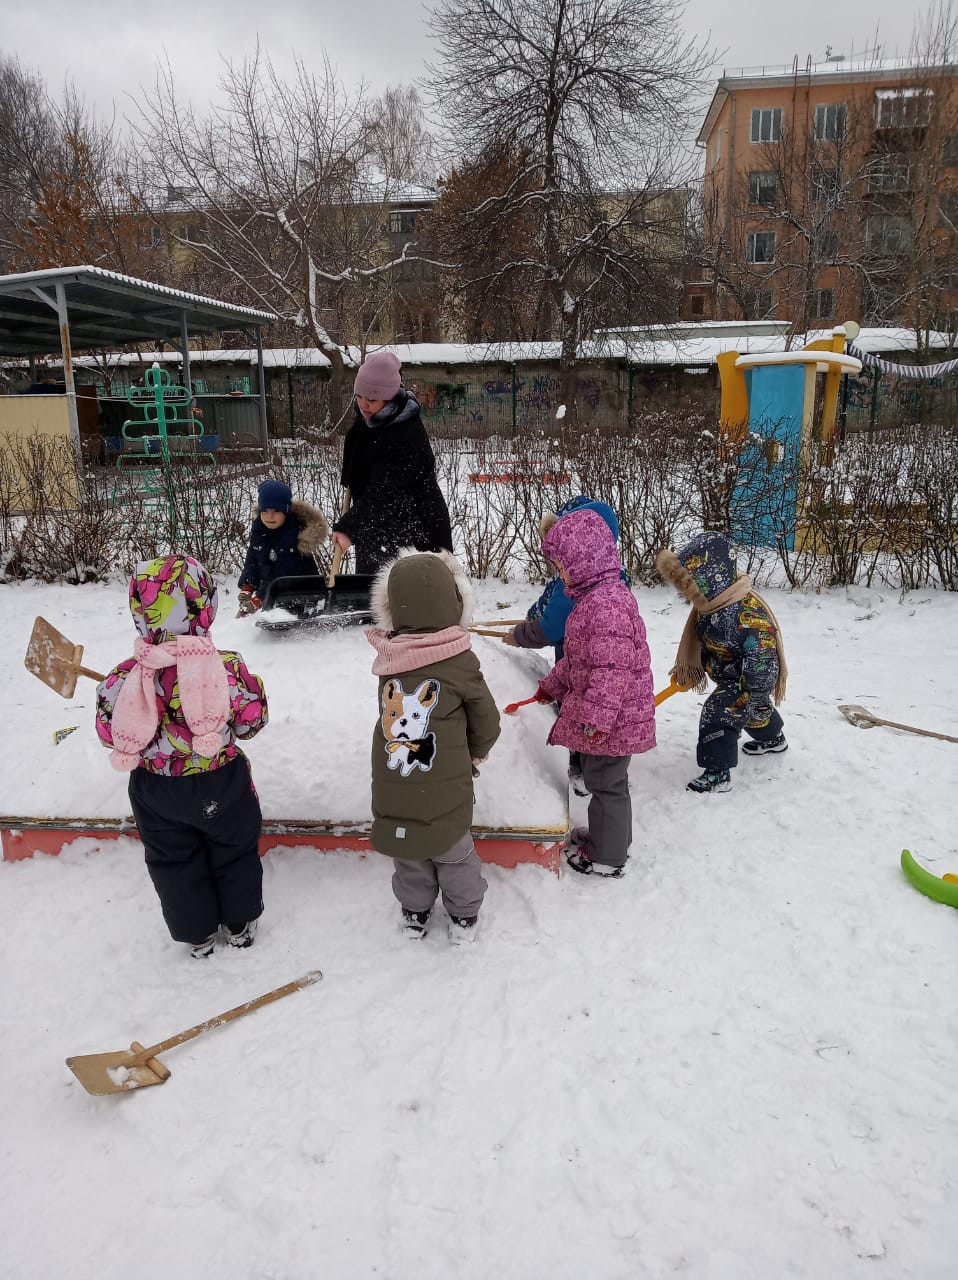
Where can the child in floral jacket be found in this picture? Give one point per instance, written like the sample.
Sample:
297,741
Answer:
603,684
172,715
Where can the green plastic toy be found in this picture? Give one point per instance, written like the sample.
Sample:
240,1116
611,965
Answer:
940,888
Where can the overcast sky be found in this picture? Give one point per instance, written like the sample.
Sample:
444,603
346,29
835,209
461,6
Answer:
108,48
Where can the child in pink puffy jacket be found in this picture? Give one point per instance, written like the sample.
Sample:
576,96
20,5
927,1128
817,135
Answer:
172,715
603,685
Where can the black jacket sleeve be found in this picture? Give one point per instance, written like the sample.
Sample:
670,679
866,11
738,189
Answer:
251,575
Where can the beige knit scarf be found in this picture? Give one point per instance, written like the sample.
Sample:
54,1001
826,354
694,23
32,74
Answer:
688,671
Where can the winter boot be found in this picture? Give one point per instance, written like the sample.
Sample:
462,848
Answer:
241,935
579,858
771,745
414,923
462,930
200,950
711,780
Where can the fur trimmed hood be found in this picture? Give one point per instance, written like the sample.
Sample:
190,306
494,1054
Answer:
674,572
421,591
313,526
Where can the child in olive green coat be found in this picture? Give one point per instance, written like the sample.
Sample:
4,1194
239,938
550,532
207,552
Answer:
437,721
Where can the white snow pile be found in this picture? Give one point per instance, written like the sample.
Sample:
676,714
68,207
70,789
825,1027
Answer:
737,1063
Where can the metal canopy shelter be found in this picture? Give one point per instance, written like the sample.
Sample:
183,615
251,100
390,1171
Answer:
82,308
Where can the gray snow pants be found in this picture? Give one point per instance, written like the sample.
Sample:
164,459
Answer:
610,809
457,874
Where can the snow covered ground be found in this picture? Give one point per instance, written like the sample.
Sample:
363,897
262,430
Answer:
736,1064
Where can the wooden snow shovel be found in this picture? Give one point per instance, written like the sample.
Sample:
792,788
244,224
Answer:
55,660
863,719
136,1067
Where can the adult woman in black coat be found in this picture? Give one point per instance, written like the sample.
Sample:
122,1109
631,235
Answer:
390,471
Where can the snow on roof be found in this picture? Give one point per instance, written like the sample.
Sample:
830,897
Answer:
667,348
92,274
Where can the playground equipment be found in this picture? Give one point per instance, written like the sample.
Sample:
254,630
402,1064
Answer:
166,425
768,417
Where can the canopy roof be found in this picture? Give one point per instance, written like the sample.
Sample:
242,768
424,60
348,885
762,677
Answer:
106,309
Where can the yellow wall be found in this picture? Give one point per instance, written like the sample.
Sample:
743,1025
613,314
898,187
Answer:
27,418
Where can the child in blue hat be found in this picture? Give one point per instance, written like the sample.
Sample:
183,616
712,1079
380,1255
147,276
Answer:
285,535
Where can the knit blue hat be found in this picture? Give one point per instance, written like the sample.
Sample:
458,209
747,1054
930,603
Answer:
273,495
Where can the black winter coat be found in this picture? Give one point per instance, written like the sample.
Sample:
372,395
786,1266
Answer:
278,553
390,471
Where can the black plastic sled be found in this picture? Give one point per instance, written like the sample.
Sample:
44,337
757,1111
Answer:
310,603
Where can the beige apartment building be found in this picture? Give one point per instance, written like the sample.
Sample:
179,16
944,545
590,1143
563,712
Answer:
830,192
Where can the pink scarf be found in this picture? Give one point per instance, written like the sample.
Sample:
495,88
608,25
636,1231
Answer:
204,696
409,650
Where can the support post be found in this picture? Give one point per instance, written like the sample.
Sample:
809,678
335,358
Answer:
185,352
67,351
264,427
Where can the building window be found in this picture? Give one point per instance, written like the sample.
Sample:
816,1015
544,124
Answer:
759,304
902,108
766,124
402,221
715,150
763,187
696,306
760,246
887,234
890,172
949,152
825,185
823,304
827,245
830,122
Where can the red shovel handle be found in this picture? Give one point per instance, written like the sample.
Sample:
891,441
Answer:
513,707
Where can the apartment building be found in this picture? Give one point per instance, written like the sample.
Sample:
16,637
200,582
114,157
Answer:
830,192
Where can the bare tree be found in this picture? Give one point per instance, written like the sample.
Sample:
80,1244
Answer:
278,176
595,95
400,139
63,195
491,293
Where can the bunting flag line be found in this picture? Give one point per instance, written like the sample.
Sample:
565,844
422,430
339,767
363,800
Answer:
920,372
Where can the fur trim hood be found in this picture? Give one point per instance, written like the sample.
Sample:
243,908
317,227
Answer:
428,591
702,570
313,526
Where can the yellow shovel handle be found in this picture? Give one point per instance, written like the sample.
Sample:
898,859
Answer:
673,688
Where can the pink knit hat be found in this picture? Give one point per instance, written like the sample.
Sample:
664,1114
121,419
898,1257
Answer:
378,376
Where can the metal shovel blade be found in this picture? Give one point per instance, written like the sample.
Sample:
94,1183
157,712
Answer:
117,1072
52,658
858,716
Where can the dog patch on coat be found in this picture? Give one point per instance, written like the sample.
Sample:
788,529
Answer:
405,724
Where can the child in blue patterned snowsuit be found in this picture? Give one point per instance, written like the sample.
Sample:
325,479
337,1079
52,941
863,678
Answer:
732,636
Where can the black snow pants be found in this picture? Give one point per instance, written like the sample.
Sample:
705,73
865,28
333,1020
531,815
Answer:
728,710
201,833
